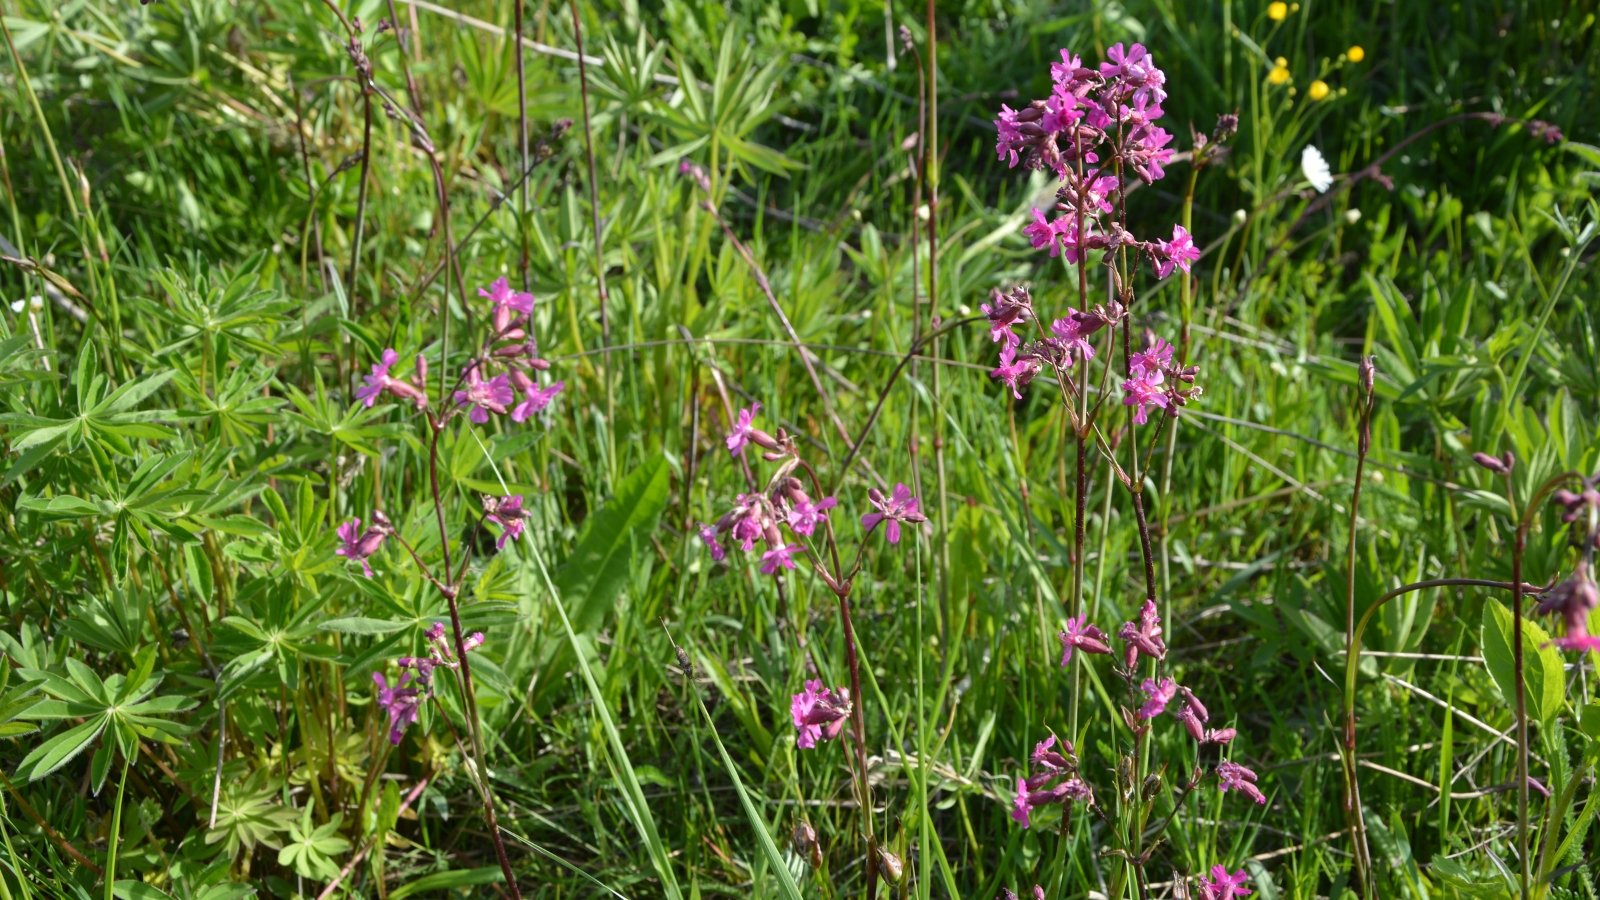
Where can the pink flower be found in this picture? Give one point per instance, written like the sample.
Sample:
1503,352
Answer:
1045,233
1021,803
507,513
1180,252
378,379
501,295
1073,336
1142,393
805,516
1052,760
1234,777
1144,636
897,508
357,545
818,713
536,400
1154,359
484,397
1080,635
1158,695
1222,886
1008,309
779,558
400,702
1015,371
708,536
743,430
1573,599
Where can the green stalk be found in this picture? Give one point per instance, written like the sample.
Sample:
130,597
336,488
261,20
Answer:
116,833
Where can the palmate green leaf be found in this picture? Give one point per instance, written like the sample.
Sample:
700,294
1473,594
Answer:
1543,672
61,749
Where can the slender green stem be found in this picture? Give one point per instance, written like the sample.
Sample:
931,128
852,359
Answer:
116,831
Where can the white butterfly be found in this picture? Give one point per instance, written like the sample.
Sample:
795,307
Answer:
1315,168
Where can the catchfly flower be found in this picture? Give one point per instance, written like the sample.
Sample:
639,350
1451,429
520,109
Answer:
507,513
1080,635
357,545
898,507
819,713
1234,777
1223,886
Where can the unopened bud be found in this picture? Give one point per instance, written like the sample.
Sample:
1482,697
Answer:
890,866
1490,463
807,845
1369,373
422,369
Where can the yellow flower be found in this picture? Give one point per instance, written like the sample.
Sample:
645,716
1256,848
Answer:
1278,75
1318,89
1276,11
1355,54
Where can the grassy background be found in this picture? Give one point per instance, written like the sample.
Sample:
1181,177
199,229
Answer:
189,174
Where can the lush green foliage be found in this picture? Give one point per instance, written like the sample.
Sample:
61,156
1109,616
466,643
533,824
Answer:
186,698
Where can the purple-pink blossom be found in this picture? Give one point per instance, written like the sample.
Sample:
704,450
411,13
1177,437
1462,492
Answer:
1234,777
1015,370
818,713
1157,695
899,507
507,513
357,545
1154,359
805,516
1222,886
1045,756
1143,636
501,295
779,558
482,397
1071,333
380,381
1080,635
402,703
1180,252
535,401
708,536
1006,310
1144,393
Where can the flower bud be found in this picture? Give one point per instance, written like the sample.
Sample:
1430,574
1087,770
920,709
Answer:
1368,371
890,866
1490,463
422,369
807,845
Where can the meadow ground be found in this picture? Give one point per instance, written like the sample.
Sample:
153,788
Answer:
247,556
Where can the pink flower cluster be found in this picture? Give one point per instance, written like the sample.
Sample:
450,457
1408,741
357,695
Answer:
1095,124
506,512
785,505
1156,382
511,347
403,700
1055,780
1065,345
1143,637
1577,595
819,713
1223,886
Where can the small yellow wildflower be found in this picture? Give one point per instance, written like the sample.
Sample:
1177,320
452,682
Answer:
1318,89
1355,54
1278,75
1276,11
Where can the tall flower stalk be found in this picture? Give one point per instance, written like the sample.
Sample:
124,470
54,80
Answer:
786,525
1097,133
502,379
